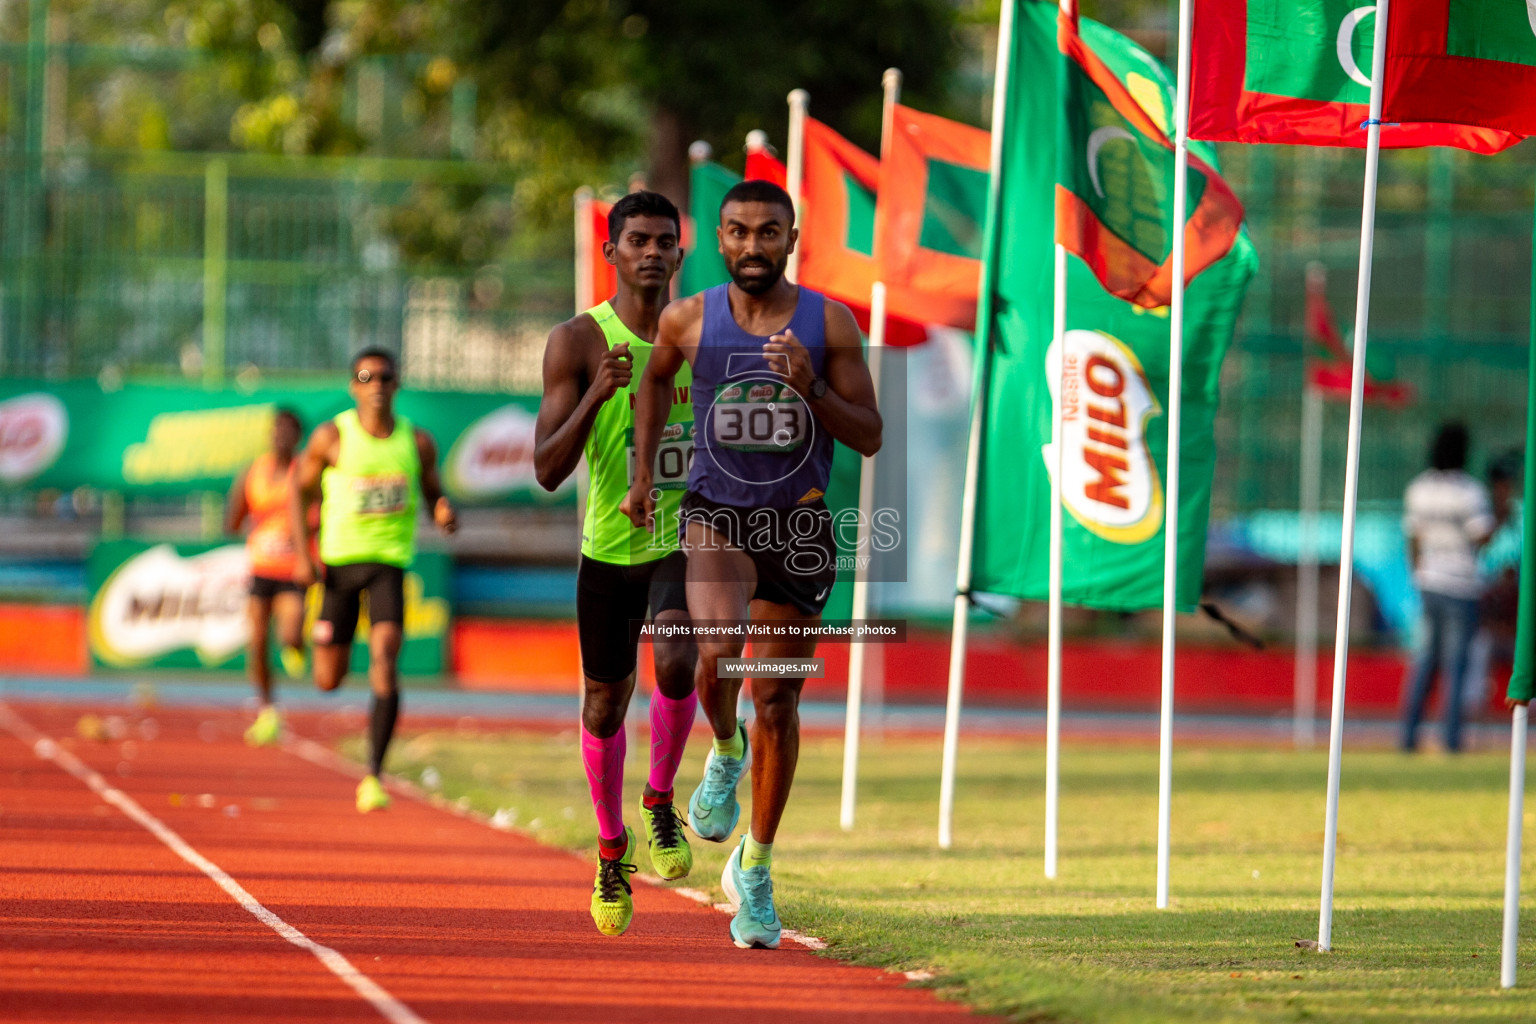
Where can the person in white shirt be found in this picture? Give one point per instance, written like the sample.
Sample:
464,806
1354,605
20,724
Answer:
1447,518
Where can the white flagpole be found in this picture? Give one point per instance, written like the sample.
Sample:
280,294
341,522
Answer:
864,554
890,82
794,161
1352,478
1175,430
1053,629
1304,699
973,448
1517,739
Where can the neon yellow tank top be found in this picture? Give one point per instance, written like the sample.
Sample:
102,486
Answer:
607,534
368,499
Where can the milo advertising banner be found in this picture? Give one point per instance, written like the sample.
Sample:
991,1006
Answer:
184,606
1109,376
148,439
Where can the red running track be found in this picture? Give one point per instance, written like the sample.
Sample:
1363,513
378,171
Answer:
424,915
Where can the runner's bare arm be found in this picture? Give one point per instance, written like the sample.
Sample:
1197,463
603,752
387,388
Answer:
848,409
321,452
570,405
677,335
235,507
432,486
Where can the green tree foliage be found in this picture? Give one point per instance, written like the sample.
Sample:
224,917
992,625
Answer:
562,92
701,68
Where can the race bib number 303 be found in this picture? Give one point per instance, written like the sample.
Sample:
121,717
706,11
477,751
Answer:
674,457
380,495
759,416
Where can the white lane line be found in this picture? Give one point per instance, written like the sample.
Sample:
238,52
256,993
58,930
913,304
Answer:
388,1006
324,757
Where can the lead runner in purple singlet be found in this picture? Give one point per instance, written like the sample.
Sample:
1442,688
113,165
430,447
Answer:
778,375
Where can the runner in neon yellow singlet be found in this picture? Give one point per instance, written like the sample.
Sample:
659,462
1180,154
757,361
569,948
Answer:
591,366
367,466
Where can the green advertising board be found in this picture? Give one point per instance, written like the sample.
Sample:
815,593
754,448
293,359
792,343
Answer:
149,439
184,606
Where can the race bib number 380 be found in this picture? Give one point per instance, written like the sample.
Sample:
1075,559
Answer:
380,495
674,457
759,416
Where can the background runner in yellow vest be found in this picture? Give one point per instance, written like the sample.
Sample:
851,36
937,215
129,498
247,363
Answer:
261,494
591,366
366,466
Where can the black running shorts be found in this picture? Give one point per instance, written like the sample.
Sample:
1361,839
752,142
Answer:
268,587
611,600
793,548
344,587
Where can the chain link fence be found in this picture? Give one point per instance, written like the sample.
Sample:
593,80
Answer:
1450,314
225,268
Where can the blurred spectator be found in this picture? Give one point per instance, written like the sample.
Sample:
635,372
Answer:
1447,517
1493,646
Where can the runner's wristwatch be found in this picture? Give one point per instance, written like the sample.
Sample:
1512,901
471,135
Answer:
819,387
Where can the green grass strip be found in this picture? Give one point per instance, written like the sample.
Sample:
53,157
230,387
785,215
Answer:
1419,883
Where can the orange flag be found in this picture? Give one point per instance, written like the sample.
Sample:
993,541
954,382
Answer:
932,208
839,183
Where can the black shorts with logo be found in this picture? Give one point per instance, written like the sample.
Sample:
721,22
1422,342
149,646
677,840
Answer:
793,548
344,587
611,600
268,587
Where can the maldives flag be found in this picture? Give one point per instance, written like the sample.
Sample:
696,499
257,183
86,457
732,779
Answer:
596,278
1114,186
1333,372
762,165
839,182
1298,71
931,207
1470,62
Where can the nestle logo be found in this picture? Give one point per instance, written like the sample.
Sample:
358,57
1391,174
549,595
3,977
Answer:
1110,482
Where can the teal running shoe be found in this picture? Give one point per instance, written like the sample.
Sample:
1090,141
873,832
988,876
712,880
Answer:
756,924
713,810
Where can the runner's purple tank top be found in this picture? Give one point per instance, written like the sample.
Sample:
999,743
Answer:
757,444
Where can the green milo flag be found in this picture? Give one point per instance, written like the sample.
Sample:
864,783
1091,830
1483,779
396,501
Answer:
1116,355
1522,682
1114,194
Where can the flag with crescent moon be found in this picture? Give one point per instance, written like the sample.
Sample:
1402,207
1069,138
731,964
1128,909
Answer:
1471,62
1299,72
1114,188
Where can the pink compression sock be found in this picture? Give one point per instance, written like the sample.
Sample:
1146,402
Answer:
604,761
671,721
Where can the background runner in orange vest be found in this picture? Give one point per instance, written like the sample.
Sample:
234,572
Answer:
260,494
